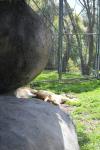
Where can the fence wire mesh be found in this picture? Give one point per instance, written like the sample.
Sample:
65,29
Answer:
75,40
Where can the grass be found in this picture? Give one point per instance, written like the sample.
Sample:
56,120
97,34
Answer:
86,113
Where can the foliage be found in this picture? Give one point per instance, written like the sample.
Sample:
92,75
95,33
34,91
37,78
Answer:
86,112
72,67
79,45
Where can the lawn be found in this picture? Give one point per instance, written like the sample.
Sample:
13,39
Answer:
85,113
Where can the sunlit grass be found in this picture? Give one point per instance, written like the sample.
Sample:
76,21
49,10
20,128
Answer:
86,112
53,75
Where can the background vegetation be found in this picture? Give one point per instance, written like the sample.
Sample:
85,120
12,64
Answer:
85,112
80,58
80,34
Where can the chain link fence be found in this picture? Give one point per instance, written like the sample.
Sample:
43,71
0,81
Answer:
75,48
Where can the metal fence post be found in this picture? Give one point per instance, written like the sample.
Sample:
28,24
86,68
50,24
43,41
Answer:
60,39
98,41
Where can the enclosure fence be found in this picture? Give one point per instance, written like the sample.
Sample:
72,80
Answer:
64,45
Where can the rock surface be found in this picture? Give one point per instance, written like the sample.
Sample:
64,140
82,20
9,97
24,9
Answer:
34,125
24,44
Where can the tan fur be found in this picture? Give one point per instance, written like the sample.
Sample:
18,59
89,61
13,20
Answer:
24,92
27,92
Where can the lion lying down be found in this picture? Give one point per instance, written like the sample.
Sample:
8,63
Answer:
26,92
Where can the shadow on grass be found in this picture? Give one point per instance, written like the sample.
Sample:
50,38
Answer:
57,87
83,140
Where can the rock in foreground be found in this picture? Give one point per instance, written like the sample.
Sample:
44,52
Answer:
34,125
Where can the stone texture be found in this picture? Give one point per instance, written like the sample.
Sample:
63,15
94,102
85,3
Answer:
34,125
24,44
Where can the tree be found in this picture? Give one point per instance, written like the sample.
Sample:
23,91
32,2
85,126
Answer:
89,7
68,47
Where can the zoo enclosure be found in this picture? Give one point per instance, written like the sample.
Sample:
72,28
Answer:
72,45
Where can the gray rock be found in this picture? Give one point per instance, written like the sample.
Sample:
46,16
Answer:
24,44
34,125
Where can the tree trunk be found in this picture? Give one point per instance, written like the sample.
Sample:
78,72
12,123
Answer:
66,54
85,69
91,48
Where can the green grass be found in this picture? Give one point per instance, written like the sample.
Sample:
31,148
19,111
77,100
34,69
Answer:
86,112
52,75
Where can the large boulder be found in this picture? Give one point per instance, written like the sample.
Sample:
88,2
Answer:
34,125
24,44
